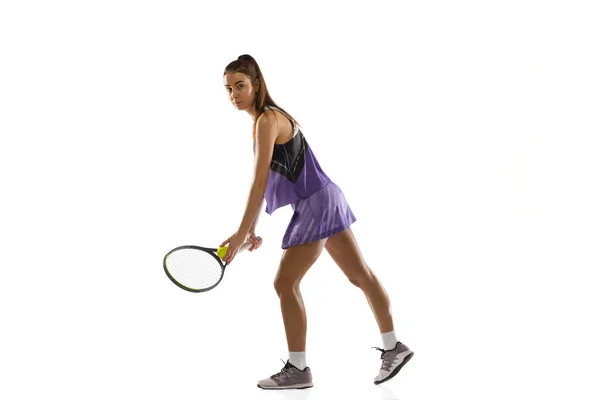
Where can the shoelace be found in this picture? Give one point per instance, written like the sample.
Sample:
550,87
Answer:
387,362
285,371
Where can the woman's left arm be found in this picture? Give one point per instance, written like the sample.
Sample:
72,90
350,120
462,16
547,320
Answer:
266,133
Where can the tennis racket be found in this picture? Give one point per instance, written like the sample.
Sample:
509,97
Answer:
195,268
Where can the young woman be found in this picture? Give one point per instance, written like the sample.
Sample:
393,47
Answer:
287,172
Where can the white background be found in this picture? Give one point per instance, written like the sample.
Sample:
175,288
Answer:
462,134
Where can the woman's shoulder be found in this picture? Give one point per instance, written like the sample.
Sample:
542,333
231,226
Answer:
277,116
286,126
274,111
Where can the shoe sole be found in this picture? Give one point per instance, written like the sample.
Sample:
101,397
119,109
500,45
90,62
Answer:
396,370
296,386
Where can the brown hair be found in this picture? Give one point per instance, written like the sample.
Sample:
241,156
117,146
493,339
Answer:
247,65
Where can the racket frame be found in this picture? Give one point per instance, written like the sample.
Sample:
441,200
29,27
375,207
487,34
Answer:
211,251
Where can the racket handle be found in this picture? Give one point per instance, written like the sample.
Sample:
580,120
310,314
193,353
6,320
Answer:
246,246
223,250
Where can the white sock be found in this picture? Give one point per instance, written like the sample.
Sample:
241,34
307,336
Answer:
389,340
298,359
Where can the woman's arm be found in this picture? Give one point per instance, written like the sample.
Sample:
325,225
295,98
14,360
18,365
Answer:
253,227
266,133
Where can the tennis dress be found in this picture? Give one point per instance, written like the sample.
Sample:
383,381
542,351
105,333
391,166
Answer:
296,178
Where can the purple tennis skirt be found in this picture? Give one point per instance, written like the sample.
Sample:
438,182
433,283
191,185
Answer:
320,215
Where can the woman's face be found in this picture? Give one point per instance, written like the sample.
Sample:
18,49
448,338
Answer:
240,90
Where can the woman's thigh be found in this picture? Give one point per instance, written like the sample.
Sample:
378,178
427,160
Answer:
344,250
296,261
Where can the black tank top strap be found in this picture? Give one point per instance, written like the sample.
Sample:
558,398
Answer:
295,128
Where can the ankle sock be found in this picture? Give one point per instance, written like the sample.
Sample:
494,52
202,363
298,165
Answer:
389,340
298,359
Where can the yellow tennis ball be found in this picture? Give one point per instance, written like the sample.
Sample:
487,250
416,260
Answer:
222,251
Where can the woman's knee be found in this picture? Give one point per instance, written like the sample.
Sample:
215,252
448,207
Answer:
362,277
285,284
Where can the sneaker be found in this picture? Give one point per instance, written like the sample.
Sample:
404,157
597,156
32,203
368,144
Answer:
393,360
289,377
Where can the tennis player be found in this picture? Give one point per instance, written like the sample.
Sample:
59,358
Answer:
286,171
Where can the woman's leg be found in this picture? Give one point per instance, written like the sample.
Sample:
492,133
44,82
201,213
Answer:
295,262
342,247
345,252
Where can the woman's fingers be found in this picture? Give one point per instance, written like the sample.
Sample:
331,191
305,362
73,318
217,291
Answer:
256,242
252,243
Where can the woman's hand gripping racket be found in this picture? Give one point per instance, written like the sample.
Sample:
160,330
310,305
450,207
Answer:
195,268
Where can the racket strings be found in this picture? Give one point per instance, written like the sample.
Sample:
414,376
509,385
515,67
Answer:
193,268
